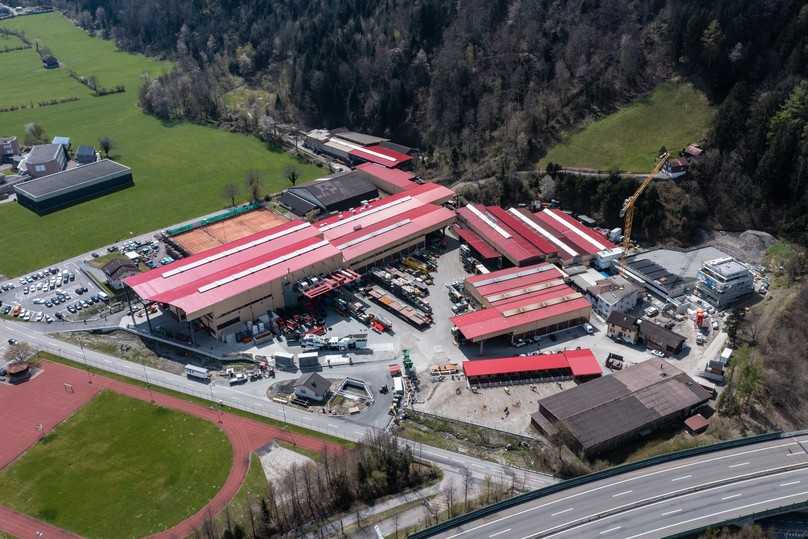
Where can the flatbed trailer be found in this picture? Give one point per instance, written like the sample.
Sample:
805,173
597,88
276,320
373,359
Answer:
397,307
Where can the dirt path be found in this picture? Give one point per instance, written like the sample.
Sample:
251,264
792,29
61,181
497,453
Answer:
245,436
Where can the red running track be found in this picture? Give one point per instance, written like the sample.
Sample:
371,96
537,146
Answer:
44,400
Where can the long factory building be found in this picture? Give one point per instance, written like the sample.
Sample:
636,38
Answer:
517,302
223,287
518,237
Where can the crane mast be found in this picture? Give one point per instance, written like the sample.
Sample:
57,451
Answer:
629,206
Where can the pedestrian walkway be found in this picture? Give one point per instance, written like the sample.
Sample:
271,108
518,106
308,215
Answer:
245,435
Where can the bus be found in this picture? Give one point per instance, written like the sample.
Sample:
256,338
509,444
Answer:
197,373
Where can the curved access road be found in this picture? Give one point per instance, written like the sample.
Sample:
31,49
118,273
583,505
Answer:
661,500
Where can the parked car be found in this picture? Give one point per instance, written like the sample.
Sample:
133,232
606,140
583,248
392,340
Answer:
657,353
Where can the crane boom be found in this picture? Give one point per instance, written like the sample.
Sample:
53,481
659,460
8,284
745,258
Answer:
629,206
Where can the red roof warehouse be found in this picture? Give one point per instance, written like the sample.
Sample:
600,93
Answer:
496,233
239,281
533,300
382,156
526,238
579,364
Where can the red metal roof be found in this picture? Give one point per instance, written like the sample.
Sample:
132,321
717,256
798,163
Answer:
346,222
510,244
382,156
582,238
392,180
199,282
531,236
476,242
395,230
508,279
579,362
583,362
492,321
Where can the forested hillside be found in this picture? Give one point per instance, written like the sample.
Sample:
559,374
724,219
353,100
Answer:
486,86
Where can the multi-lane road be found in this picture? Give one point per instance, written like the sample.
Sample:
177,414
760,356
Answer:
341,427
661,500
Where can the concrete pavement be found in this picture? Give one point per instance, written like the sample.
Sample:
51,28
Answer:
660,500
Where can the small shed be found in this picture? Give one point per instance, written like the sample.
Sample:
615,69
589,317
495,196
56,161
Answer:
696,424
63,141
86,155
18,372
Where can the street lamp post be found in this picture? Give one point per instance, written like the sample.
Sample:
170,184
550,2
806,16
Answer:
86,363
146,378
213,400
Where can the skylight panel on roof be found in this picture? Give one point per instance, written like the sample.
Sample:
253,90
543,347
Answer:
375,233
234,250
532,224
592,241
371,211
490,222
261,267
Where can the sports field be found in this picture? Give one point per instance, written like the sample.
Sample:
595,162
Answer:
233,229
673,115
120,467
179,169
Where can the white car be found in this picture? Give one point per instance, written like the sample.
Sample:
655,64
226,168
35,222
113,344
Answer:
657,353
589,329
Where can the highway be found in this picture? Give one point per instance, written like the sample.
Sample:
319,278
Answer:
341,427
661,500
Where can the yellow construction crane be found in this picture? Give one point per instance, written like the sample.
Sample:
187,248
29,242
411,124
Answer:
627,212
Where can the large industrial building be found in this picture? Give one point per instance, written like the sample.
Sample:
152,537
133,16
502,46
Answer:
239,281
354,148
336,193
579,365
387,226
608,412
56,191
223,287
388,180
533,300
523,238
724,281
669,273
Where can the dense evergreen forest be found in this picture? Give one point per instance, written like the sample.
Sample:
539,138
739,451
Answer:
486,86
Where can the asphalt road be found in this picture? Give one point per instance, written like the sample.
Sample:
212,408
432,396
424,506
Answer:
343,427
661,500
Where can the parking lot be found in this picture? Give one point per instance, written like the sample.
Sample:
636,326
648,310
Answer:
51,294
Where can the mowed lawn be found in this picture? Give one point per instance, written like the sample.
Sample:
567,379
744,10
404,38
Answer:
673,115
120,467
179,170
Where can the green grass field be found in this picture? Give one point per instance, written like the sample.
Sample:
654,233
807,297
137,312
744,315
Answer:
119,467
179,170
673,115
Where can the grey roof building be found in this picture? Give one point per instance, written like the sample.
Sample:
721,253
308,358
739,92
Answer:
724,281
336,193
45,159
56,191
312,386
604,413
660,338
357,138
8,147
